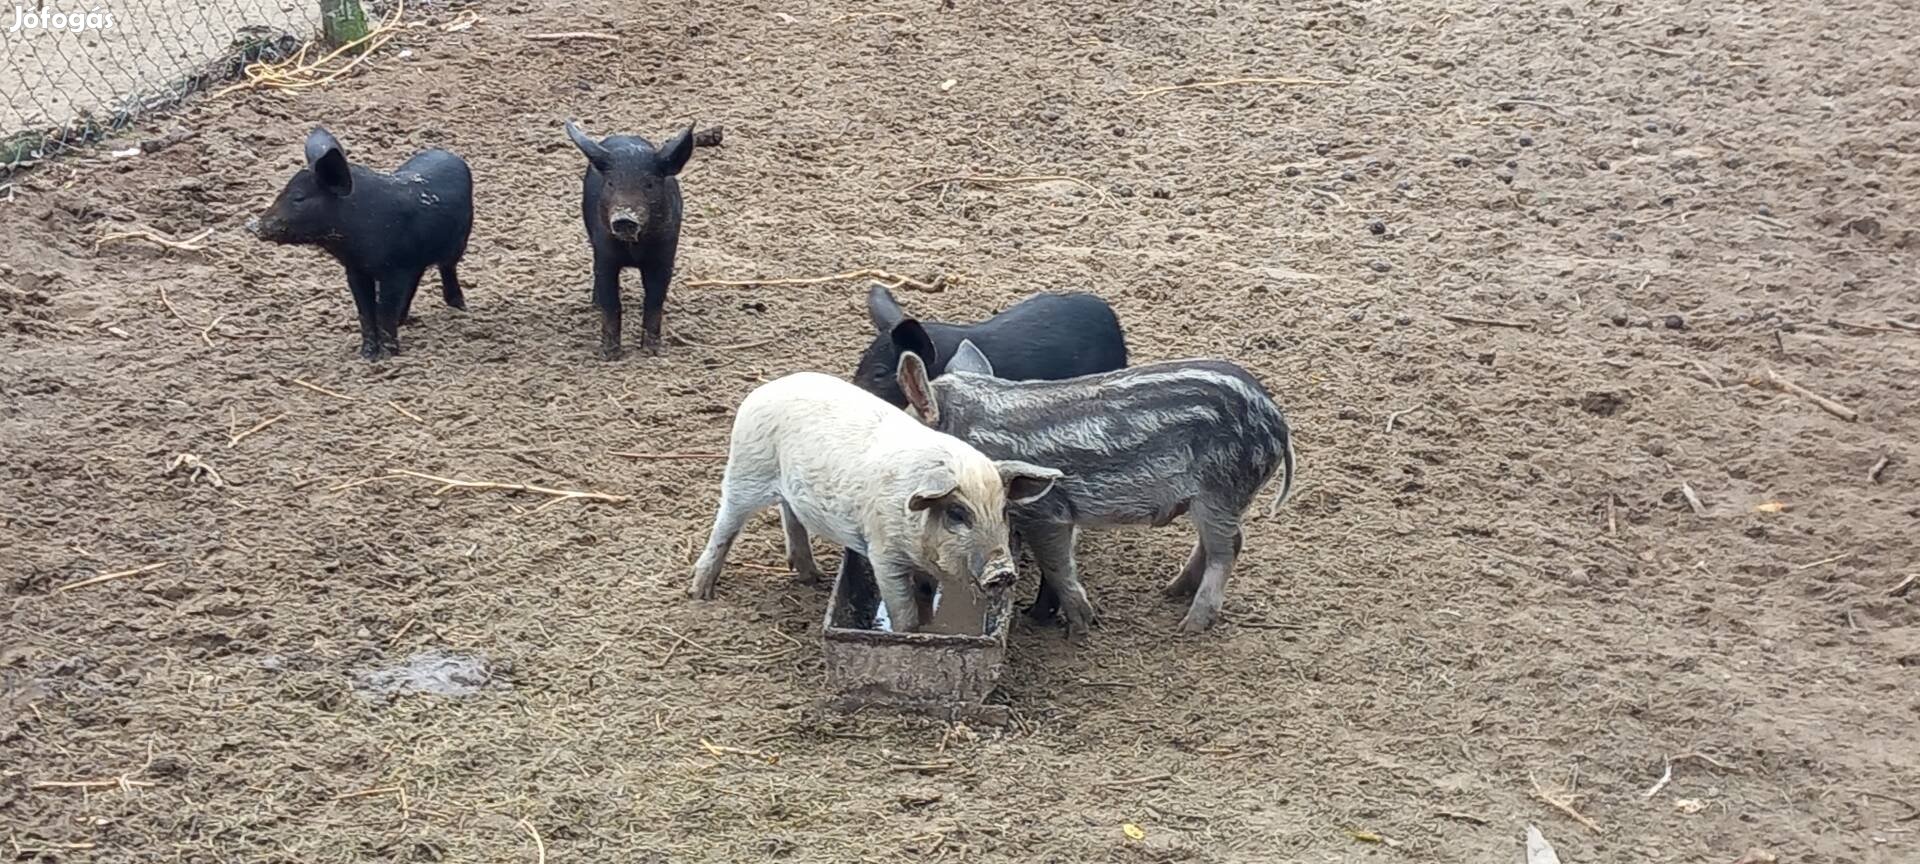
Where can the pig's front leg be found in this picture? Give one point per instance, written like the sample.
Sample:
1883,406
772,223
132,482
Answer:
654,278
1052,544
606,296
366,302
897,590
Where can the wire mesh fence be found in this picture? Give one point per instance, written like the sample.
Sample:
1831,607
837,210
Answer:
75,71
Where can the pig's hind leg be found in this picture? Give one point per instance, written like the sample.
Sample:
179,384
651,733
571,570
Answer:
450,284
799,548
396,297
1220,545
741,496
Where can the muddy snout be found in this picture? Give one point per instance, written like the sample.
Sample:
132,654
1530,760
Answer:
998,573
624,223
252,225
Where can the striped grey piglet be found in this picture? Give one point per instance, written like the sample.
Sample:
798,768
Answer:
1137,446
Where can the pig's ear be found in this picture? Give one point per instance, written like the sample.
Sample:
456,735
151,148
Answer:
883,309
912,375
329,163
1026,482
936,482
675,153
968,358
911,338
596,154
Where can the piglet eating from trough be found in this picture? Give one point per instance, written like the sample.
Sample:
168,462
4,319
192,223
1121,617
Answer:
841,463
385,229
630,200
1139,446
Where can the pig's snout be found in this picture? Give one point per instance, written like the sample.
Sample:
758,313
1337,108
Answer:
625,224
252,225
998,573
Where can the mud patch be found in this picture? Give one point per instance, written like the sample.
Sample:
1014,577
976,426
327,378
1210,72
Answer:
438,673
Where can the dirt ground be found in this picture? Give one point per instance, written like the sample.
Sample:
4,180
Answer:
1489,591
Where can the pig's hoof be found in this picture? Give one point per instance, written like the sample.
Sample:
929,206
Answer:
1042,612
373,352
650,346
1180,588
1199,619
810,576
1080,618
610,352
699,591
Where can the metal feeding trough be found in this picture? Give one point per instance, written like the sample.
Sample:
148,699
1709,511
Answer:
947,675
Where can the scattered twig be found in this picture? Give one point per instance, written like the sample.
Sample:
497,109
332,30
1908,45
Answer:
1905,586
366,793
109,577
297,72
1530,103
401,633
667,456
1873,474
1468,818
324,391
190,244
1812,564
447,483
1395,416
718,750
1771,222
1693,498
1139,781
107,783
990,181
1650,49
895,16
1235,82
1330,195
539,845
1872,328
206,333
897,281
564,37
1913,812
736,346
196,468
1666,777
236,439
1704,758
1562,805
1613,522
1908,326
405,413
170,307
1831,407
1489,322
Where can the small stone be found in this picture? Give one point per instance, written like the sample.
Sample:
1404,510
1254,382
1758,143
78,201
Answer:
1462,160
1526,140
1402,320
1291,171
1377,227
1486,359
1380,266
1356,316
1604,165
1766,211
1675,322
1616,236
1050,116
1347,176
1619,319
1656,447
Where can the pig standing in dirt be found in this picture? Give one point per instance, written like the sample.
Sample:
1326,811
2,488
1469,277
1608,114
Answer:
1046,337
843,464
385,229
630,200
1138,446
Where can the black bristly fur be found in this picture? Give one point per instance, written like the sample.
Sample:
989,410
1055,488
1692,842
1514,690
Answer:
385,229
1046,336
630,202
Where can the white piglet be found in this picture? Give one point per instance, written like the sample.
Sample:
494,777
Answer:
844,464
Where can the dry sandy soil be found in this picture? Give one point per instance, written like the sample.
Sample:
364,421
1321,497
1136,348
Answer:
1490,591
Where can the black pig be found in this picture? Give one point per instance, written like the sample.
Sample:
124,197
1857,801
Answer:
630,201
1044,337
386,229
